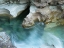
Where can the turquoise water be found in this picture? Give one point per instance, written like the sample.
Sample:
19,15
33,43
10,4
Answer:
35,37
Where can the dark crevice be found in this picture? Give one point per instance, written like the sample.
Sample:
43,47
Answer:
18,20
21,16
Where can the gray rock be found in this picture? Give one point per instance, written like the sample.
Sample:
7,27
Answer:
5,41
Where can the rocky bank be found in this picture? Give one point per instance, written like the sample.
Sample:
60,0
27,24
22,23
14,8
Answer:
53,12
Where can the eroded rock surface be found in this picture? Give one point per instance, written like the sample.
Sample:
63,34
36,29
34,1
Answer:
43,3
48,11
51,13
14,6
47,15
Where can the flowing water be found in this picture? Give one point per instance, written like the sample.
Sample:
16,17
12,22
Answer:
35,37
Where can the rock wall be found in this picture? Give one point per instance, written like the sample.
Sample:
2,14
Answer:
18,6
5,41
52,12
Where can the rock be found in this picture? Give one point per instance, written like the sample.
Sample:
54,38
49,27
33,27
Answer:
5,13
39,3
15,7
29,20
2,1
43,3
5,41
49,14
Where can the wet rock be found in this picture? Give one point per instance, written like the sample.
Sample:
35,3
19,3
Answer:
5,41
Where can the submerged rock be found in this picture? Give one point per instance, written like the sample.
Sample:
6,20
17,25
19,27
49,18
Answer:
5,41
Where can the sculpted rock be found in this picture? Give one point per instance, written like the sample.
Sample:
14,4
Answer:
14,6
5,12
29,20
49,14
43,3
